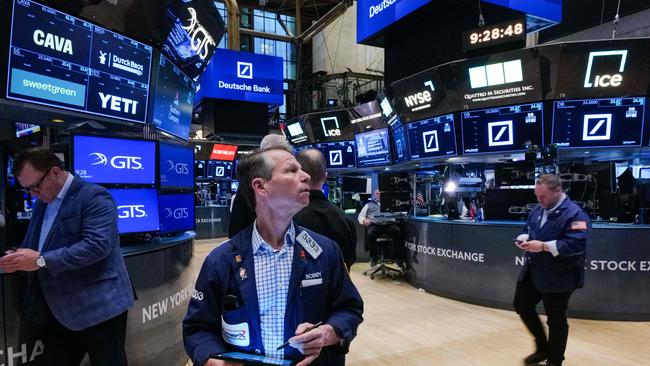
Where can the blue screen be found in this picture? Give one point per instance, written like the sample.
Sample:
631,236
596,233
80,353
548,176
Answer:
338,155
598,122
219,169
137,210
59,60
114,161
199,168
173,100
502,129
176,164
375,15
432,137
176,212
547,9
373,148
243,76
400,144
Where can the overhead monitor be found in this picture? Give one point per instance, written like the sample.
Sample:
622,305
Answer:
387,110
176,166
59,60
399,143
199,169
219,169
330,126
373,148
137,210
366,116
338,155
373,16
26,129
223,152
176,212
107,160
433,137
295,132
504,129
615,122
173,100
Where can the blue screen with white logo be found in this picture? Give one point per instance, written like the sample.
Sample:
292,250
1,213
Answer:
375,15
338,155
373,148
176,212
58,60
502,129
432,137
598,122
114,161
219,169
399,143
176,166
137,210
243,76
173,100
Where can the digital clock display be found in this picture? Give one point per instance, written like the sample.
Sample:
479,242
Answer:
495,34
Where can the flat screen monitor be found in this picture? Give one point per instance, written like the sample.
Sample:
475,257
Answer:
338,155
366,116
107,160
353,184
400,146
176,212
504,129
59,60
223,152
176,164
137,210
26,129
432,137
387,110
373,148
395,202
199,169
219,169
598,122
234,186
295,132
173,100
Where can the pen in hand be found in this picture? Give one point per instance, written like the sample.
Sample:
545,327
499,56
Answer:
305,331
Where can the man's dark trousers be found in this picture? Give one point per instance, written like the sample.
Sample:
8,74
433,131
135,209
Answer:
374,231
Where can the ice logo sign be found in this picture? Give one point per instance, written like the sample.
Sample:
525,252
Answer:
244,70
131,211
179,213
430,141
179,168
597,127
336,157
118,161
605,80
330,126
500,133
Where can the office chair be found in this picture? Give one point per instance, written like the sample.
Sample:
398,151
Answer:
385,264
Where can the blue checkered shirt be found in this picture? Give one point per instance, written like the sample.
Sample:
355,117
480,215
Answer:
272,274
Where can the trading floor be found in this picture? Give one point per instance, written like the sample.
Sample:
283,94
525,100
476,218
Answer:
404,326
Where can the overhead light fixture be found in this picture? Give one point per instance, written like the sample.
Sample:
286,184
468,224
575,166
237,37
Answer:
57,120
451,186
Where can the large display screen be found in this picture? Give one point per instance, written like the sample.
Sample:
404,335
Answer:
375,15
114,161
219,169
366,116
199,169
432,137
173,100
373,148
598,122
137,210
339,155
387,110
499,79
176,164
401,151
58,60
502,129
176,212
295,132
330,126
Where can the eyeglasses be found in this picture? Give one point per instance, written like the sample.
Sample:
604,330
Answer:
35,188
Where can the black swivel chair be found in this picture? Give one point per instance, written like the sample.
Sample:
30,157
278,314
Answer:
386,265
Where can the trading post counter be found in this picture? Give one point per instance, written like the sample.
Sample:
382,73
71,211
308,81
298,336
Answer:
478,263
163,275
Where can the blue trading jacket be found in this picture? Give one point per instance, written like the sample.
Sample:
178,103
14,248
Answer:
565,272
335,301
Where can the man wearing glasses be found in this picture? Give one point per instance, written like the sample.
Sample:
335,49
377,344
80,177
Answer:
78,289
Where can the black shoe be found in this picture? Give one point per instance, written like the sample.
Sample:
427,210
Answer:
536,358
551,363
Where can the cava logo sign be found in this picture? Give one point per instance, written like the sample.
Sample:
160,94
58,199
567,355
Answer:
179,213
53,41
605,80
330,126
179,168
420,100
118,161
131,211
200,39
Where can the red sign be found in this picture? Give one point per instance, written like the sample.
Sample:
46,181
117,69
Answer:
223,152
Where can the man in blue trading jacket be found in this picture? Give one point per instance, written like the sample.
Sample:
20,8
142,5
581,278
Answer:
78,289
555,239
272,280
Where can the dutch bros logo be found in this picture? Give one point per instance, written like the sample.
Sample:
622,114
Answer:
496,74
328,129
118,161
430,141
179,168
596,127
605,80
131,211
179,213
244,70
500,133
336,157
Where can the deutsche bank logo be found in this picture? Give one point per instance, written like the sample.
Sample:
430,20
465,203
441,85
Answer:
500,133
496,74
430,141
219,172
244,70
336,157
596,127
605,80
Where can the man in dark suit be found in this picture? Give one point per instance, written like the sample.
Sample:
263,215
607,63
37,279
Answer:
321,215
78,289
555,240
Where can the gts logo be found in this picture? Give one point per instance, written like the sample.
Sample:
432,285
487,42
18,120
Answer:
131,211
179,168
118,161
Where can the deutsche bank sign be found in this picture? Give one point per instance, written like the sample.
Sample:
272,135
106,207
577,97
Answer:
243,76
375,15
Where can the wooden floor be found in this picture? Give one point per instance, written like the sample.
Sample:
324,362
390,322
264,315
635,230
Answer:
406,327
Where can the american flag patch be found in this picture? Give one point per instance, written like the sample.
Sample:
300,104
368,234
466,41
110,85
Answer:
579,225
